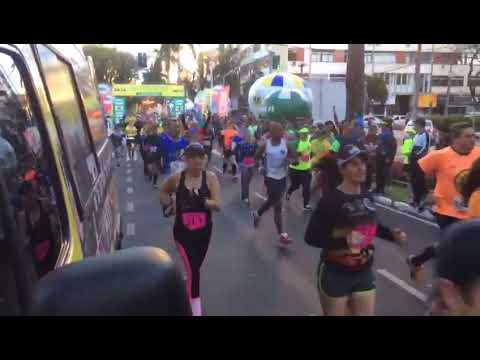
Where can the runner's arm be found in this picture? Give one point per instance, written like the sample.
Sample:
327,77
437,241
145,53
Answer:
320,229
293,154
167,188
260,151
215,201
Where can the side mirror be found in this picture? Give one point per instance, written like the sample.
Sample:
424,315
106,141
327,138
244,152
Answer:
134,281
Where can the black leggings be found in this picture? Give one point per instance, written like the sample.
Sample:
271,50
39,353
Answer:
192,247
417,179
301,178
428,253
275,190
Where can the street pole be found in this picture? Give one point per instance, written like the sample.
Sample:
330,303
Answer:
449,84
417,82
373,60
431,77
310,63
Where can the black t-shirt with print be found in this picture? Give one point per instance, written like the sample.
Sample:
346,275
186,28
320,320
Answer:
354,213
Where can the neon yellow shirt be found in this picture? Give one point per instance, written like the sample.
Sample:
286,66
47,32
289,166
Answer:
304,149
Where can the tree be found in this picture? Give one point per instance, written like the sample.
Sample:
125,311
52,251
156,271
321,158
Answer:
226,71
377,89
111,65
471,53
168,54
355,80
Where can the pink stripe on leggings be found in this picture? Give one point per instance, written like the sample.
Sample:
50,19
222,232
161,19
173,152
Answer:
184,256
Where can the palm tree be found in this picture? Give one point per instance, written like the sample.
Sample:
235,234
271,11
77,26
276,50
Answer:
226,70
169,54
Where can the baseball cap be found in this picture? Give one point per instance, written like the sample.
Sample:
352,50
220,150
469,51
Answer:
457,257
303,131
411,131
194,150
348,152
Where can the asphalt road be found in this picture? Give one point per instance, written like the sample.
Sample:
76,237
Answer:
247,273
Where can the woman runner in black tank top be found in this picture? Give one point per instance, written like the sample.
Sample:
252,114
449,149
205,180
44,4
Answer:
197,194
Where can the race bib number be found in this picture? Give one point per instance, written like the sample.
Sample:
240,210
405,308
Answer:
153,149
306,157
194,220
361,237
248,161
177,166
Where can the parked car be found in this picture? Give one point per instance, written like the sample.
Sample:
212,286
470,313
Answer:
430,129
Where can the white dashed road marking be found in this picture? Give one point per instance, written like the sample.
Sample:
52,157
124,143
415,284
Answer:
130,190
129,171
216,152
130,229
128,179
410,289
130,207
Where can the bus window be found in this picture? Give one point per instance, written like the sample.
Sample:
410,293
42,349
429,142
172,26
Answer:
93,109
28,169
66,108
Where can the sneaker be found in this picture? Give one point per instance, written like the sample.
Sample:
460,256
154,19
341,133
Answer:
307,208
415,271
284,239
256,219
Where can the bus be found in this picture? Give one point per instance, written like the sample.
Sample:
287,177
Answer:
58,197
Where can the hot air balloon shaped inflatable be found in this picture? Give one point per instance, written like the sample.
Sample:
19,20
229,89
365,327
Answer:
294,101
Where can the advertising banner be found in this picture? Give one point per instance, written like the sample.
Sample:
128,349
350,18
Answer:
167,90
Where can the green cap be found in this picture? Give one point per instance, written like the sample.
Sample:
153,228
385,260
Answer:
303,131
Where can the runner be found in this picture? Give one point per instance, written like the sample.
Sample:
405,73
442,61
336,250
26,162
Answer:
344,225
197,195
131,132
457,291
228,155
276,152
471,190
300,174
449,166
246,151
117,142
208,138
172,144
152,154
420,148
320,148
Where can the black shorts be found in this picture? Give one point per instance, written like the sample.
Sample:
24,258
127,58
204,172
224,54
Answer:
335,282
228,153
130,142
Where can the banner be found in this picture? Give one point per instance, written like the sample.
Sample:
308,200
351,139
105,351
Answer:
119,109
426,100
222,99
167,90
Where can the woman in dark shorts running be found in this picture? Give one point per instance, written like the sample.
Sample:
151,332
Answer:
197,195
344,225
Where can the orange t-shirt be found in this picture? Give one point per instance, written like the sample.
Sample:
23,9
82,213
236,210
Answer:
450,169
228,135
474,205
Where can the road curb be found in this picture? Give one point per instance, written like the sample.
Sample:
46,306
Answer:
404,207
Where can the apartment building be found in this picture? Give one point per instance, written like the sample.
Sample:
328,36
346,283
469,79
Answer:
396,63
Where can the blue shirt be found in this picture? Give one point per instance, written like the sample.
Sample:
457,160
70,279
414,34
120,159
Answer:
170,149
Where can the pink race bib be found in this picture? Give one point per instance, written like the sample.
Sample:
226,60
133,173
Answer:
306,157
248,161
194,220
362,236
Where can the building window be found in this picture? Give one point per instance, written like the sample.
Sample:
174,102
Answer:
337,77
425,58
386,77
292,55
384,58
322,56
443,81
368,58
401,79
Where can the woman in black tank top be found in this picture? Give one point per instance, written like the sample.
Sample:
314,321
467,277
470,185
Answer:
197,195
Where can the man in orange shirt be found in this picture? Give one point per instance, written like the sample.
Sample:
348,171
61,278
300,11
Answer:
228,151
449,165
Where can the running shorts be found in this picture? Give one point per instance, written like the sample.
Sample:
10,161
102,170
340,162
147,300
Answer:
336,283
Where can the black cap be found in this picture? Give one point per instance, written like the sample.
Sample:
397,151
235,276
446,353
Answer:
194,150
458,255
348,152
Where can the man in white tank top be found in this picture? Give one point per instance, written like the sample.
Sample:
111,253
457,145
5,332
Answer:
277,153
